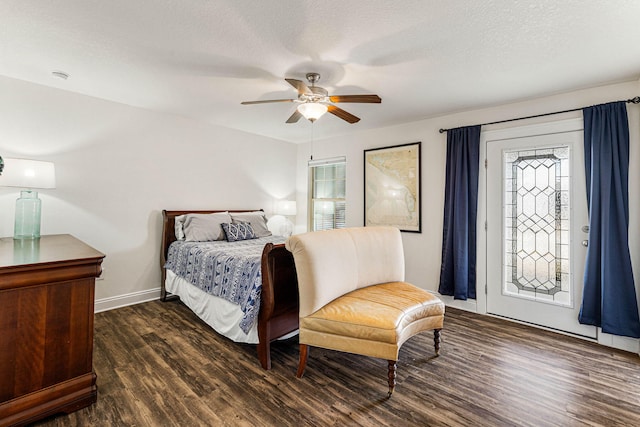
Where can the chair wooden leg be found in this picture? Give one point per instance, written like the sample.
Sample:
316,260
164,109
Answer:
302,364
436,340
392,377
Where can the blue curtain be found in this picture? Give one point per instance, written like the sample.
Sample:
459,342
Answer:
609,295
458,270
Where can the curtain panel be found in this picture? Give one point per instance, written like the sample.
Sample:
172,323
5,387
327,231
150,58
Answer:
458,269
609,294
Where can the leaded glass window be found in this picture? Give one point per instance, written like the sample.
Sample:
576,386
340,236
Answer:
537,207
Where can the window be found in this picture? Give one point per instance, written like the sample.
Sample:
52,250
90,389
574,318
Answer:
327,204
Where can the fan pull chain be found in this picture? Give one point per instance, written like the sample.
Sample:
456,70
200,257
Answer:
311,148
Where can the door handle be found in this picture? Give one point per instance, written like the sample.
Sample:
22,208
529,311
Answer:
585,243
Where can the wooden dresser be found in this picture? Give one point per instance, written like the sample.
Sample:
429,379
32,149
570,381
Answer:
46,327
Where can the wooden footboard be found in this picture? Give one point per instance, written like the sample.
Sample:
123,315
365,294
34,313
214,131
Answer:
279,299
278,314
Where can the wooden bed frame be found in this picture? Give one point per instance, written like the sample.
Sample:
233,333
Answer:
278,314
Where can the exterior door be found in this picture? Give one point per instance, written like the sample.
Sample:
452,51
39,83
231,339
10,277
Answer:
537,230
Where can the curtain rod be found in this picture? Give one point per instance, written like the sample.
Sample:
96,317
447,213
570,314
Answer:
635,100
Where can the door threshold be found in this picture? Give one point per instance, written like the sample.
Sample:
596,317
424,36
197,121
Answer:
547,328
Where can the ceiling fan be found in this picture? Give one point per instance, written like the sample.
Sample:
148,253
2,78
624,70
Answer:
315,101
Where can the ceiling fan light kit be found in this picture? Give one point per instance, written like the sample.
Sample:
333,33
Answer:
312,111
315,101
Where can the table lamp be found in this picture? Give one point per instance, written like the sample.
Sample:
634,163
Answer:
279,223
286,208
29,175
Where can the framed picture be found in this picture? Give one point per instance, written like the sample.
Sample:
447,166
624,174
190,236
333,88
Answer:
392,187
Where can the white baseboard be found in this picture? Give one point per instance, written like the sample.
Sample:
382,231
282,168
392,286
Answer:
621,343
110,303
468,305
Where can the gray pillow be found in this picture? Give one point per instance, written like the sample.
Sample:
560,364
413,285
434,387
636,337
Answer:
257,220
205,227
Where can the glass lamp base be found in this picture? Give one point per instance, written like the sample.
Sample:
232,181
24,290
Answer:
286,229
280,225
27,221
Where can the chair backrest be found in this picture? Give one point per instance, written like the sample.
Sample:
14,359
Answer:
332,263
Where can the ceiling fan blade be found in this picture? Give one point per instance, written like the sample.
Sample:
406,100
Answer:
300,86
339,112
266,101
294,117
371,99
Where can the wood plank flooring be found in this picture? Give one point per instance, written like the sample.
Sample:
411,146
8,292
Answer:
158,365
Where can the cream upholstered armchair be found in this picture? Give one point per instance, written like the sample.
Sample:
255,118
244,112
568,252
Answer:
353,296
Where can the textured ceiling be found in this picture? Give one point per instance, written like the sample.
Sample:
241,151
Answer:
424,58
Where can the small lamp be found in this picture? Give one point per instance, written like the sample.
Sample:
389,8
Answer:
29,175
312,111
279,223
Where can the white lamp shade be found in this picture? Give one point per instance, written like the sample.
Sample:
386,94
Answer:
286,207
312,110
28,174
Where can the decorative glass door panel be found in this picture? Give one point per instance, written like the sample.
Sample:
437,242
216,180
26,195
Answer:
537,225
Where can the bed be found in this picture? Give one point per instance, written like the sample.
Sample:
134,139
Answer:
273,306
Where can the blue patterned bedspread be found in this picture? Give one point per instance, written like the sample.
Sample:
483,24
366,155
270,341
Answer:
229,270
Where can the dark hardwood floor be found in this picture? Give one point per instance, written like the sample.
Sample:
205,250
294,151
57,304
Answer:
158,365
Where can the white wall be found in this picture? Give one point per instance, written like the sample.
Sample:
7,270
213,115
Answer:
423,251
117,167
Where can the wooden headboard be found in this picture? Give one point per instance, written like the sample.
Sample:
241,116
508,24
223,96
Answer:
169,234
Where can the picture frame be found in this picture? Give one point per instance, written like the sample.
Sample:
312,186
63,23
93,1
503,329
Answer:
393,187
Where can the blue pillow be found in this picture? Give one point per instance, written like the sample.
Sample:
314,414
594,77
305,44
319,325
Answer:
238,231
